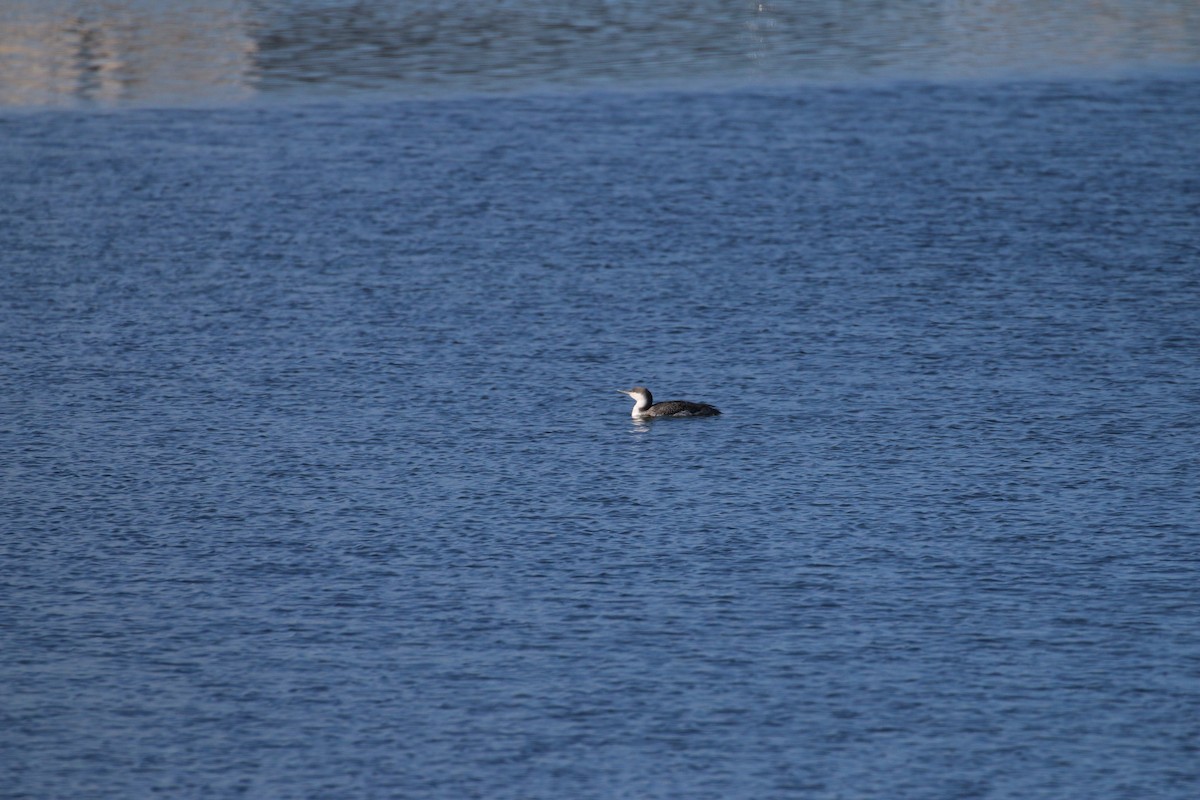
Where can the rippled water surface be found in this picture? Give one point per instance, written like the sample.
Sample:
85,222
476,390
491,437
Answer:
314,481
158,52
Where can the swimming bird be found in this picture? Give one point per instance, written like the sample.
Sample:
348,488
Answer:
644,406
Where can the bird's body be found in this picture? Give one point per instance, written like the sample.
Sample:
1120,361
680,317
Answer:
644,406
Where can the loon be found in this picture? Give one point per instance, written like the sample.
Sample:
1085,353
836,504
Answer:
646,407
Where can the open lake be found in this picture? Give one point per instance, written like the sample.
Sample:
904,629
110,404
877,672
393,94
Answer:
314,482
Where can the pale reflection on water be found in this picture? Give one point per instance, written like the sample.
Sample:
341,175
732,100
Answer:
220,50
115,52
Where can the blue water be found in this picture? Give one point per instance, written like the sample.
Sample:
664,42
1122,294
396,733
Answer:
315,482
